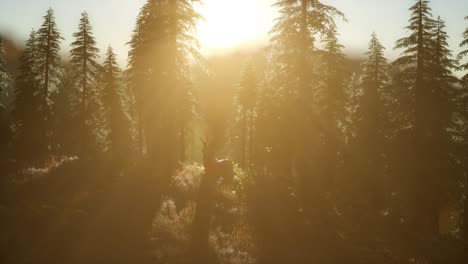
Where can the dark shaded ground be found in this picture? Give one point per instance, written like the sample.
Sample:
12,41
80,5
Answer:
78,213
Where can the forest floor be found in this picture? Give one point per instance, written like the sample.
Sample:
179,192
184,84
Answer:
78,214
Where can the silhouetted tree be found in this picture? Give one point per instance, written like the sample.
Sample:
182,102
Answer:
426,72
333,106
28,102
293,45
297,177
464,67
370,122
464,52
117,122
48,39
83,57
164,31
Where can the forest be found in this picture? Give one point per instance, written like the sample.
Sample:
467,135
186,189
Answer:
295,153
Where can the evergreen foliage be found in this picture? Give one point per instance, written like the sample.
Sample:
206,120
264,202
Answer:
49,64
83,58
117,123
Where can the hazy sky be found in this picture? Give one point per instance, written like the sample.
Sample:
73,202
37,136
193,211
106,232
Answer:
228,22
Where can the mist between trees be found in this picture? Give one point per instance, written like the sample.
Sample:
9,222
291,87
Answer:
294,153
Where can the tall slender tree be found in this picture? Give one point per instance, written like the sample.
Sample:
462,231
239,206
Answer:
294,144
83,57
426,70
333,93
161,45
293,38
137,75
370,125
117,124
464,67
415,58
28,102
464,53
49,39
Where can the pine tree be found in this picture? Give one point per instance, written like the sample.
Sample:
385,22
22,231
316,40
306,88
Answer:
334,72
293,45
293,38
370,123
137,74
415,58
28,102
83,57
333,105
113,109
374,78
294,131
464,67
426,71
161,45
294,35
442,109
464,53
49,39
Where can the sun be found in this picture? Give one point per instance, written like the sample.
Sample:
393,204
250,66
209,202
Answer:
228,24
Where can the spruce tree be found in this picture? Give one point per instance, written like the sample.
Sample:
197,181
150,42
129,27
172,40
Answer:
296,131
161,45
464,53
333,91
49,39
415,59
441,112
137,77
464,67
374,78
113,109
426,72
28,102
369,144
294,34
83,57
293,39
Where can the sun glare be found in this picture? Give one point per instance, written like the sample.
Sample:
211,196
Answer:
228,24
